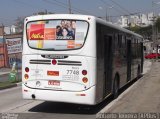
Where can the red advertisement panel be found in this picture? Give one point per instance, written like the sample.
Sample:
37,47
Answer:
37,31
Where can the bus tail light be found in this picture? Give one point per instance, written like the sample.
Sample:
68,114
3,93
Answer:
85,80
26,76
54,62
27,69
84,72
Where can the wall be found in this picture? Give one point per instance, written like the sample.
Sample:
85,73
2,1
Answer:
16,54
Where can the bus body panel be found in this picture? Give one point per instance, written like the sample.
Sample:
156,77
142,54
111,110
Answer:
89,48
80,97
65,75
63,80
85,56
119,58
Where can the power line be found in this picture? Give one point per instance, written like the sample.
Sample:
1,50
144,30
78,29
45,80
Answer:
56,3
7,21
26,4
124,9
120,6
73,8
120,11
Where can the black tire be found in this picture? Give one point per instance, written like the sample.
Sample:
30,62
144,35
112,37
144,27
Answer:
115,87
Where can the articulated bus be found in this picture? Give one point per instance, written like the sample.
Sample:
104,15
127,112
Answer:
77,59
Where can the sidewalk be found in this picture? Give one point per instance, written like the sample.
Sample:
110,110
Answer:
142,97
4,78
146,66
4,74
4,71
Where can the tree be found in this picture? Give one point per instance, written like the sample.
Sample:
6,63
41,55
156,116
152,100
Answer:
19,23
157,24
146,32
43,13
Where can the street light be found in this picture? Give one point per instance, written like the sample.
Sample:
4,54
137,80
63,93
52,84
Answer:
107,13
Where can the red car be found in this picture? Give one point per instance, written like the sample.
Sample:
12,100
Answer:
152,56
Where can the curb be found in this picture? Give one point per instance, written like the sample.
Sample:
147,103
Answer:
7,73
11,86
4,74
19,84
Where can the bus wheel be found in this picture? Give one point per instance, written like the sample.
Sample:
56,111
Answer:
116,87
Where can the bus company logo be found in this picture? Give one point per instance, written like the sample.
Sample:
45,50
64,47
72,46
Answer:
54,82
54,56
38,36
53,73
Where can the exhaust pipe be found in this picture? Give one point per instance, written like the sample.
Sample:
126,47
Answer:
33,96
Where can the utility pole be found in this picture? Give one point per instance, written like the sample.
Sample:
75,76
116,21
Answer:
69,4
107,13
154,28
4,57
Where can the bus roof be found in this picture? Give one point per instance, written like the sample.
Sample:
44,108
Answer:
117,27
81,17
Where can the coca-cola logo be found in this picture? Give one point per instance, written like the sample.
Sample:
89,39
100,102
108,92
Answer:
37,36
37,32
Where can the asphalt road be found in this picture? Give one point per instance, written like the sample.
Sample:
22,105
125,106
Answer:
12,102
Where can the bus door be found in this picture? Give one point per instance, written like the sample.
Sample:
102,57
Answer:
142,57
129,58
107,64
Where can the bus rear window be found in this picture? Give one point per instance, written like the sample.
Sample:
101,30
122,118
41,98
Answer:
56,34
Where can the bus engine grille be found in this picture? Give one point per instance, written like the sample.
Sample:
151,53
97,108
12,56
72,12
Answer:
40,62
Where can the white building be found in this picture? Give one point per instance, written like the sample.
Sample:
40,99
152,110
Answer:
150,18
10,29
144,20
123,22
136,20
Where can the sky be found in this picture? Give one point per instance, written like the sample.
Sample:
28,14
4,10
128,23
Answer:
10,10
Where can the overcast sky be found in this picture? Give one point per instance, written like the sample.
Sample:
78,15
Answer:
11,9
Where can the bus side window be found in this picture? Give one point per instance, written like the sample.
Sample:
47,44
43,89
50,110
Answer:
116,41
124,45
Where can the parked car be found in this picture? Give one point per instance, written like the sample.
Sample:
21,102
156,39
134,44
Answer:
152,56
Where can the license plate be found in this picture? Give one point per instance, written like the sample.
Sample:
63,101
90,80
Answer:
54,82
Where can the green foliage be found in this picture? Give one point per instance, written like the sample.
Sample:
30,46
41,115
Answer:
19,24
144,31
157,24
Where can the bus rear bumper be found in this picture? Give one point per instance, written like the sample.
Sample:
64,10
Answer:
83,97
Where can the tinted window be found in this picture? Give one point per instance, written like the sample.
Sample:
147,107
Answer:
56,34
